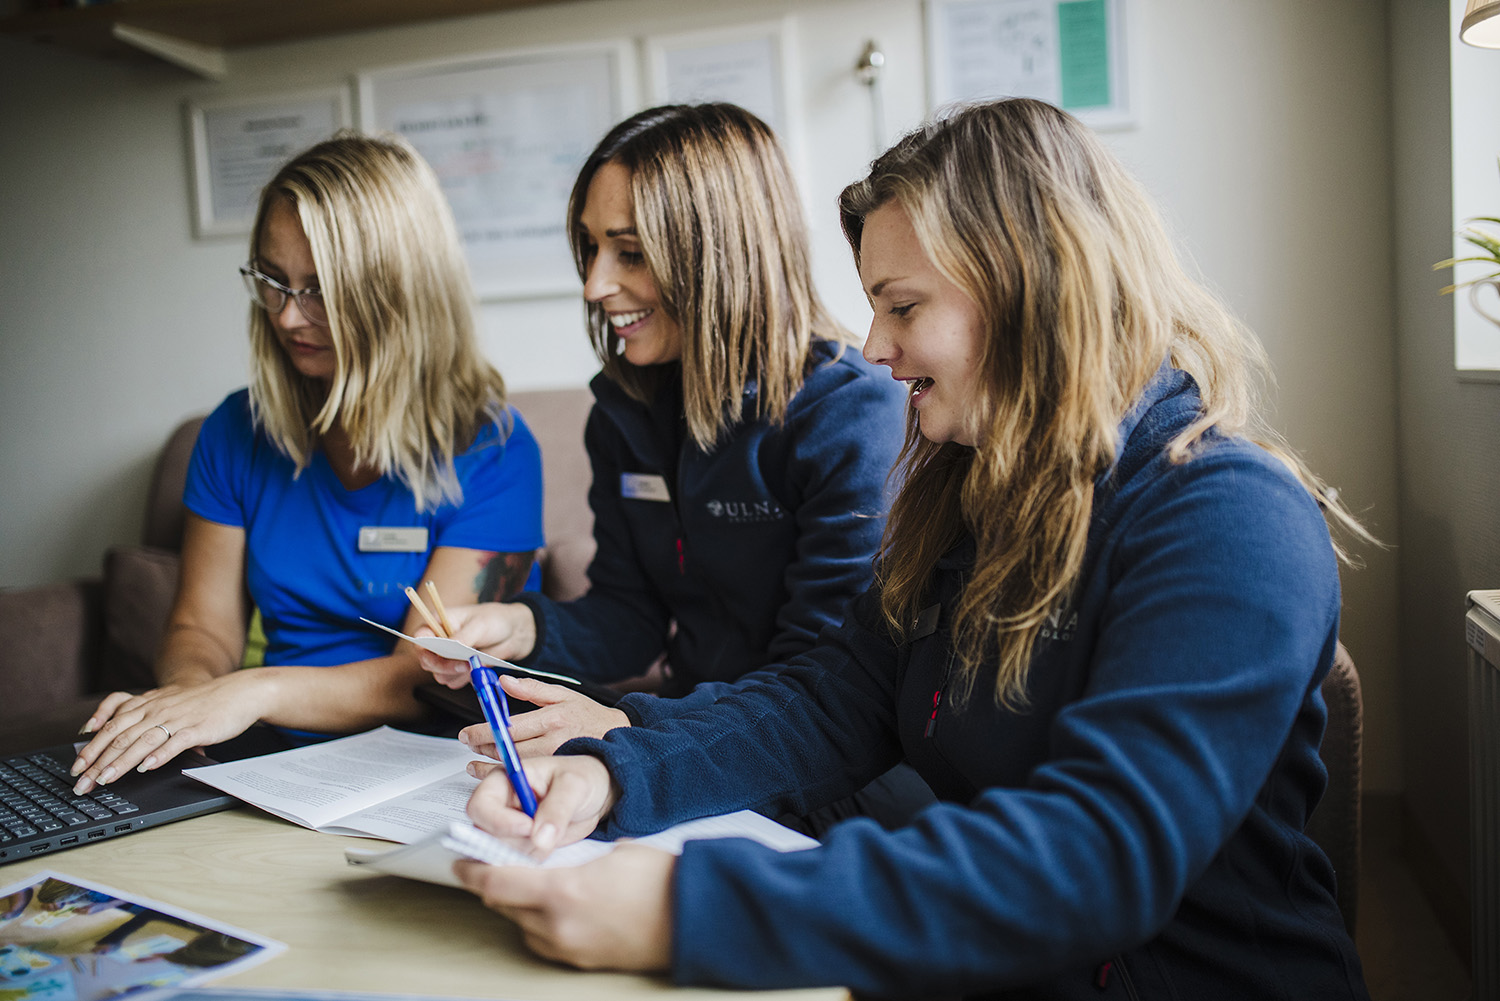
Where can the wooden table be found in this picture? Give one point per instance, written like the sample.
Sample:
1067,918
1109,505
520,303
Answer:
344,929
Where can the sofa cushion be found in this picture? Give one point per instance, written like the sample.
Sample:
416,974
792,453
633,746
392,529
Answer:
140,583
47,646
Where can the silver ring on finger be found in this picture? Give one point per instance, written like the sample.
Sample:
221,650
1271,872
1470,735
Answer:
164,730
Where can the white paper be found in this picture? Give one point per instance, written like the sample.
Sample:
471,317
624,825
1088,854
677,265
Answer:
454,650
432,858
384,784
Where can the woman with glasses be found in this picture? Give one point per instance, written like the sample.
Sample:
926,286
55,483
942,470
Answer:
1105,602
372,451
740,446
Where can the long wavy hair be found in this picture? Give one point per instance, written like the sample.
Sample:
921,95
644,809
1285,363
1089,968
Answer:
721,226
1075,278
411,389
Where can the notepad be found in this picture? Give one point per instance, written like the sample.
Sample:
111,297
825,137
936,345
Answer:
432,858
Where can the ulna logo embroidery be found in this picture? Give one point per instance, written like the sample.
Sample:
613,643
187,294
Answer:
745,512
1060,625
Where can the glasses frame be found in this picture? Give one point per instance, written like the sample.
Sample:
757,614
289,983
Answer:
287,295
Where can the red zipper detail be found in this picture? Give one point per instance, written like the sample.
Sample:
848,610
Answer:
681,560
937,698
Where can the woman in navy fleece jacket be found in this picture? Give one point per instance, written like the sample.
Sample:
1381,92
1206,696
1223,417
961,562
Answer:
1105,602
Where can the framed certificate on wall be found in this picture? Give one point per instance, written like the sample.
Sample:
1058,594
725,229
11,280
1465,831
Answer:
1071,53
238,145
745,65
506,134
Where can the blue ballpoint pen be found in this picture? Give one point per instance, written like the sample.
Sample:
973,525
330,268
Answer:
492,701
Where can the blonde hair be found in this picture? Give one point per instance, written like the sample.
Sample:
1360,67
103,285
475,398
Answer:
721,227
410,387
1076,279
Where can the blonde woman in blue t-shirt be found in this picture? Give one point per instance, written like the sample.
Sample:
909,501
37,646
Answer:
373,450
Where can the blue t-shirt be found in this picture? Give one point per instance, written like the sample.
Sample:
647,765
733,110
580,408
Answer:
303,565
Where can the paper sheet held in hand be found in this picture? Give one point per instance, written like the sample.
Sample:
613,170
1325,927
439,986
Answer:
432,858
454,650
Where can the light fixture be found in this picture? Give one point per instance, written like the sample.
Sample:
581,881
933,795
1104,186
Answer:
1481,24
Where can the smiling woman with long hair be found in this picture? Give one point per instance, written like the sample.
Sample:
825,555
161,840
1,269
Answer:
372,451
740,446
1105,602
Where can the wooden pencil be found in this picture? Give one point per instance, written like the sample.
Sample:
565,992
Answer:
416,602
437,606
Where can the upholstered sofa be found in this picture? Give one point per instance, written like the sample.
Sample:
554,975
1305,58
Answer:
63,645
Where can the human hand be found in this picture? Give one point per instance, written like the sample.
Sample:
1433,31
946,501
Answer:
573,794
146,731
561,715
501,629
613,913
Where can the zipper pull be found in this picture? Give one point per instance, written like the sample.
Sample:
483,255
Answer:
681,559
937,698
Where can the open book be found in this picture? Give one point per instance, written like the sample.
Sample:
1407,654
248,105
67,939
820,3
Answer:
381,784
432,858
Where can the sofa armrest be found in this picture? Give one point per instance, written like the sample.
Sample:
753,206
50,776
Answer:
49,642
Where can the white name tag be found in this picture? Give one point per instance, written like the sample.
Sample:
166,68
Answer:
644,486
380,539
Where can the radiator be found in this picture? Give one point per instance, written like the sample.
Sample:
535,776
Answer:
1482,630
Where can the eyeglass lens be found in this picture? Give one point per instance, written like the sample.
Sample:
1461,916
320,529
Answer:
273,299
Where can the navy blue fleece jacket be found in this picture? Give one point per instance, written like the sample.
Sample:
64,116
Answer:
752,548
1134,832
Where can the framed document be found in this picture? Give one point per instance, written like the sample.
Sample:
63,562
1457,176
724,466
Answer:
745,65
239,144
1071,53
506,134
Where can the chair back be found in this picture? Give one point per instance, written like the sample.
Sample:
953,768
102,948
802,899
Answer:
1335,823
164,510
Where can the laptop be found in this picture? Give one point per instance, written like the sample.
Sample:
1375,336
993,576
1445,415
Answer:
39,813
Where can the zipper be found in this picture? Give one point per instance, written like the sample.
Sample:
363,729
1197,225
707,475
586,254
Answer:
937,696
681,558
1115,965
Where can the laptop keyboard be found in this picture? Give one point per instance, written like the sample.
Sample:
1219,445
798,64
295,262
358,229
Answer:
36,796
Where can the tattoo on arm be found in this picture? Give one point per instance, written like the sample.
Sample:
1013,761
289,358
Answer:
502,575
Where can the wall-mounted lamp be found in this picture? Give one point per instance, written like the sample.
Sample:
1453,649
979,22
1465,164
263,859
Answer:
867,70
1481,24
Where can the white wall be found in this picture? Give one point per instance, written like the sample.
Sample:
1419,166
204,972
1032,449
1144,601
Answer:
1263,132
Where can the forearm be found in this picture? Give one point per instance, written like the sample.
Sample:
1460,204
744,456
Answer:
601,636
191,655
341,699
785,744
644,709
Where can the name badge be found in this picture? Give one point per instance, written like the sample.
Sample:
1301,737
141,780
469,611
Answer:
925,624
644,486
380,539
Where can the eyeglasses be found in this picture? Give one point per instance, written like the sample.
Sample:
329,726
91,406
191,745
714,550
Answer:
272,296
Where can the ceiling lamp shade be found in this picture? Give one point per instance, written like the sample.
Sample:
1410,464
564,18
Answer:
1481,24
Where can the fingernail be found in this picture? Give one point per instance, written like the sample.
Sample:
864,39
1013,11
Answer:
144,765
78,766
83,786
88,727
545,837
107,774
